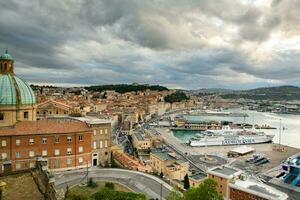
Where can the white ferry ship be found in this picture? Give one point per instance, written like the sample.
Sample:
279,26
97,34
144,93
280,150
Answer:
240,137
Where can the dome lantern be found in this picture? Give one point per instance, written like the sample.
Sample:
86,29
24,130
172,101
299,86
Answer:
6,63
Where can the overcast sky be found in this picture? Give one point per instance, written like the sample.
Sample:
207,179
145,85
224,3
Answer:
187,44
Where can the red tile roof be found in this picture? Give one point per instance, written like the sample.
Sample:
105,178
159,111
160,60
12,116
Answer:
45,126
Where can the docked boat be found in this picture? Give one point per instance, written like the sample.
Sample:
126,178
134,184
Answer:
229,137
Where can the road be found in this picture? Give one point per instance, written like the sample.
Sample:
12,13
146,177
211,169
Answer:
139,182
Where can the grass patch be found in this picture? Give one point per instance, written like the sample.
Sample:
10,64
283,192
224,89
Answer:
88,191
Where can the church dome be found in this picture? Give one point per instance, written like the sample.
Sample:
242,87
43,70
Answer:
6,56
15,91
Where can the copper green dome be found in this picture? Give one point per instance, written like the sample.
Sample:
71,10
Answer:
14,90
6,56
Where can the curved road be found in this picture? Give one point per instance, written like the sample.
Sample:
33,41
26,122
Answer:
139,182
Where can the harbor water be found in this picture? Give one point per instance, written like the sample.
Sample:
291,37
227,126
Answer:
290,134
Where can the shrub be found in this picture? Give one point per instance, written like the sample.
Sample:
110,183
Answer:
91,183
110,185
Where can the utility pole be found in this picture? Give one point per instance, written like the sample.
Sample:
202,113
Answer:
161,186
87,172
280,134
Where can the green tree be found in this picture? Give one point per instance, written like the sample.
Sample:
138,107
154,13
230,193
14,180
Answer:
176,97
91,183
161,175
175,195
66,193
186,182
110,185
206,191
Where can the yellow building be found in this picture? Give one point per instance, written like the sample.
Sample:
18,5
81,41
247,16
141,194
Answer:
169,165
197,179
141,141
52,108
223,175
17,100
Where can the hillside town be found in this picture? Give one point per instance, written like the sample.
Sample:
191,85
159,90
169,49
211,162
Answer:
63,136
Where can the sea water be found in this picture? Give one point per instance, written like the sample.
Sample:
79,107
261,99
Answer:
290,132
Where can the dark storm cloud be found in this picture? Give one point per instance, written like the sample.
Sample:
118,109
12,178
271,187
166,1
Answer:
172,42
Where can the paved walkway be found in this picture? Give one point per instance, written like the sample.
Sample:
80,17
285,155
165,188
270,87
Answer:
139,182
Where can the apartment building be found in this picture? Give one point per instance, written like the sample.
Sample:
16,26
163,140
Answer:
100,140
63,144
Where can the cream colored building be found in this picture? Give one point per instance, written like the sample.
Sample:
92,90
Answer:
169,165
101,140
52,108
141,141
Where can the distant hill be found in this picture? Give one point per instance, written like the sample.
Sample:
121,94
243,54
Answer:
123,88
214,90
267,93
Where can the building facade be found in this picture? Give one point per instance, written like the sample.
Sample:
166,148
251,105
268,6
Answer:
52,108
62,144
169,165
233,184
101,142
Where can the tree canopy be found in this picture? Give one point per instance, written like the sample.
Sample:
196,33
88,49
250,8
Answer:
205,191
123,88
176,97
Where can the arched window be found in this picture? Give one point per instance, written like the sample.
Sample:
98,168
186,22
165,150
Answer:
5,66
1,116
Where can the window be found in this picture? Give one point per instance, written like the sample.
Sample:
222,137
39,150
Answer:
80,149
69,151
4,156
1,116
56,152
95,132
44,153
101,131
31,141
31,153
80,137
44,140
25,115
95,144
69,139
69,161
18,154
105,144
56,139
18,166
3,143
101,144
80,160
18,142
105,131
31,165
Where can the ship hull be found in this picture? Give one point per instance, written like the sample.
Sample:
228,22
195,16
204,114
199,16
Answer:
223,141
